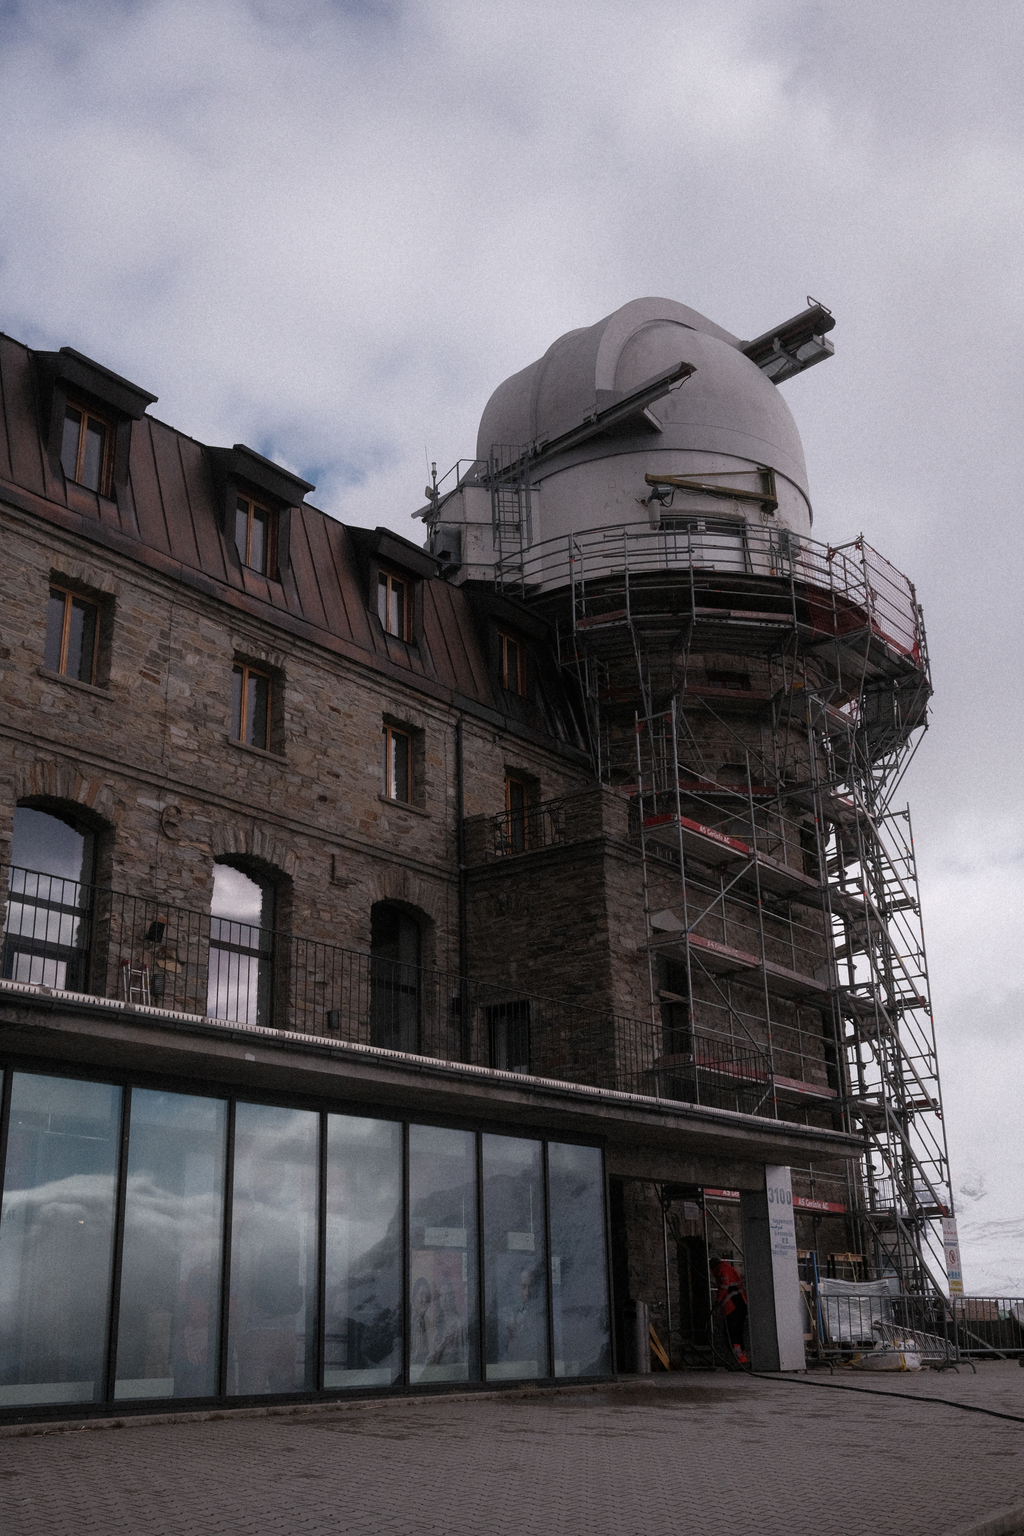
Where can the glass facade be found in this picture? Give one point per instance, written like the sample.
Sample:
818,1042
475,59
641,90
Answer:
168,1335
158,1245
516,1342
442,1254
56,1239
363,1290
579,1277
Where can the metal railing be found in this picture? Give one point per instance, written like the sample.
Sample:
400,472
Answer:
524,831
93,940
862,1322
840,588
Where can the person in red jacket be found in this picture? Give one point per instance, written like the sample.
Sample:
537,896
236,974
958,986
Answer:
732,1299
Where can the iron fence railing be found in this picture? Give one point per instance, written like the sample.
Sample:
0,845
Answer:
523,831
97,941
864,1321
841,588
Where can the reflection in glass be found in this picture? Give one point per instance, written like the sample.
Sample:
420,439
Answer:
56,1234
47,928
272,1328
579,1276
516,1316
241,948
442,1258
363,1328
168,1335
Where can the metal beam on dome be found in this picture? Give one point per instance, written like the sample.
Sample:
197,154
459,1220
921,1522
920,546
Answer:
794,346
616,410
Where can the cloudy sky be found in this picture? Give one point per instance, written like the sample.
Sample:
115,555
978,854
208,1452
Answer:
330,229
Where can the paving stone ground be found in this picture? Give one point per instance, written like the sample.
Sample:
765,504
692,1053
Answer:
687,1455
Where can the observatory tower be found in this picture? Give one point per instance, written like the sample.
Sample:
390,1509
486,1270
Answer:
750,695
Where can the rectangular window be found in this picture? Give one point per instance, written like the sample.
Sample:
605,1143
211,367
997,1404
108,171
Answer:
393,606
517,827
508,1028
87,448
256,536
442,1255
513,664
515,1263
168,1335
363,1325
250,706
58,1237
579,1274
272,1312
397,764
72,630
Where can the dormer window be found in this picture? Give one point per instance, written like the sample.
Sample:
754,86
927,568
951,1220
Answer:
87,414
255,500
394,608
256,536
87,448
512,663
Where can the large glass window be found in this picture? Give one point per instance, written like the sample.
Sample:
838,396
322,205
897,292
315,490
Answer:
398,1295
442,1257
241,948
579,1275
168,1331
363,1322
394,979
515,1285
273,1322
47,932
56,1240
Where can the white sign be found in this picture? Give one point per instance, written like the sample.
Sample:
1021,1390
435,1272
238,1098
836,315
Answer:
951,1243
785,1271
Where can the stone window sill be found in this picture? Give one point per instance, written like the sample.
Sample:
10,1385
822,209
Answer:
73,682
403,805
243,746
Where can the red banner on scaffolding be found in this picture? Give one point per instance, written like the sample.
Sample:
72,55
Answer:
800,1202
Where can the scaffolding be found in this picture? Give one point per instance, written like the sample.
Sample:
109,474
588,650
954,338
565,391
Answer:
757,696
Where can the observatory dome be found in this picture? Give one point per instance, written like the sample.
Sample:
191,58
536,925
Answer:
726,419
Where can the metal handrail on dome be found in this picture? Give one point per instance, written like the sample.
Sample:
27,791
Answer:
855,576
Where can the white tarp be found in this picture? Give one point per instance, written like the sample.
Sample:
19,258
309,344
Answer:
850,1307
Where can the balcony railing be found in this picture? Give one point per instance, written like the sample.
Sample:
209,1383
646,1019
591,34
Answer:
524,831
100,942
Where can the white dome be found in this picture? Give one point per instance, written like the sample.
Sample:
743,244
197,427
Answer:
728,414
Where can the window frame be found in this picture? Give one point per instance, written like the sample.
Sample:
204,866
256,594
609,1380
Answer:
516,685
387,580
109,424
249,670
389,734
70,597
517,819
270,547
251,945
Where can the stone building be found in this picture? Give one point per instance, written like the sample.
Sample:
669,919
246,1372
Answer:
415,958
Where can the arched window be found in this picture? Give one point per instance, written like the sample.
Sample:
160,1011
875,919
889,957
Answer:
240,984
394,979
48,930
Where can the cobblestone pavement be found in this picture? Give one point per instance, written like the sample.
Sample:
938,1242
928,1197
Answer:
670,1456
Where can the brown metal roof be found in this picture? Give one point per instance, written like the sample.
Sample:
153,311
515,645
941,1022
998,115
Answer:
167,517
